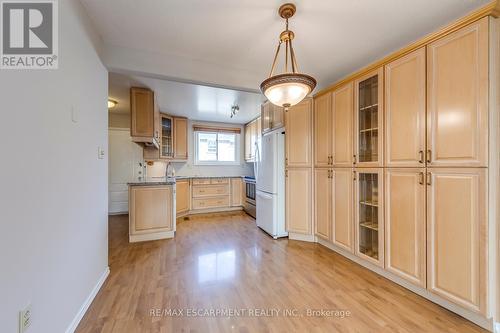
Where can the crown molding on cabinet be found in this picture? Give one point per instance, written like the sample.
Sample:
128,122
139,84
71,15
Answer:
493,9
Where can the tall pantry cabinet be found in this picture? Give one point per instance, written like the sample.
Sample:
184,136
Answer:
416,203
298,172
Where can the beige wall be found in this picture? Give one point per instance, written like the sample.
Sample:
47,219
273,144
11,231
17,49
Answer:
117,120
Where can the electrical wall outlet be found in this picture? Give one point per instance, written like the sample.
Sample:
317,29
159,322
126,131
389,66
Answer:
24,319
100,153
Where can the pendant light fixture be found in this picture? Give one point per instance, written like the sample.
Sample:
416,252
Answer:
289,88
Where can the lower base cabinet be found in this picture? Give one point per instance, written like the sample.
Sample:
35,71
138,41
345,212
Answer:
457,236
151,212
369,214
405,253
182,196
298,182
342,208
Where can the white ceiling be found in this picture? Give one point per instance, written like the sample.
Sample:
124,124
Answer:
188,100
231,43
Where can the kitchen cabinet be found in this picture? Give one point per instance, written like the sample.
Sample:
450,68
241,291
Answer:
323,131
457,98
298,135
236,192
457,236
252,137
272,117
368,119
342,117
180,138
369,215
182,198
144,113
211,193
298,202
323,202
151,212
405,253
173,140
405,110
343,208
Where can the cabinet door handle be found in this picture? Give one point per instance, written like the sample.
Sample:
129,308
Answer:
354,175
421,156
354,161
429,178
429,155
331,159
286,161
286,173
421,179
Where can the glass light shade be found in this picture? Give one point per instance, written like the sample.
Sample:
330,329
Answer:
287,90
111,103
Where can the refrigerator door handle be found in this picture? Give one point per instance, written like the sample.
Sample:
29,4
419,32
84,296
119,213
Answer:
257,161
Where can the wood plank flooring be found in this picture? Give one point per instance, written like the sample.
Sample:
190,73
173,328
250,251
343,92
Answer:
224,262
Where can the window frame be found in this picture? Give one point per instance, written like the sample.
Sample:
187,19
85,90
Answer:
237,150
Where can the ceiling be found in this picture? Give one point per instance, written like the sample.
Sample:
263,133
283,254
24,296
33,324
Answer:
194,101
231,43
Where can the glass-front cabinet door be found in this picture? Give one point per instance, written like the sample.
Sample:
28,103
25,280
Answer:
369,214
166,144
369,119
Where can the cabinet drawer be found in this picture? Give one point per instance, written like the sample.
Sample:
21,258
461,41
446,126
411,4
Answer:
220,181
203,191
222,201
201,181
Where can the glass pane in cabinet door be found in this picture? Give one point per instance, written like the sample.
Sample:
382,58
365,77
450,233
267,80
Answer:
368,214
166,137
368,120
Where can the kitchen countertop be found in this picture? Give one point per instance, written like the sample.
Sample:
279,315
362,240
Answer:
153,182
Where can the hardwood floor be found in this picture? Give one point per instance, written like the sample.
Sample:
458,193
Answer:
225,262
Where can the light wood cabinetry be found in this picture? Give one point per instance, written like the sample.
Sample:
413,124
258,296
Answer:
298,200
457,236
457,104
151,212
173,140
182,197
236,192
252,137
180,138
272,117
144,113
405,253
369,214
323,202
298,135
369,119
343,208
323,131
405,111
342,117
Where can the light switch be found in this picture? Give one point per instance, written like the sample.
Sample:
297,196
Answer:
100,153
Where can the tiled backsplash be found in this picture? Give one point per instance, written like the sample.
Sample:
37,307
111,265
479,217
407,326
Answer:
189,170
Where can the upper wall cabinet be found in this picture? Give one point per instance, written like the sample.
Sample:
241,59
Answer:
457,105
180,138
272,117
298,135
323,130
144,117
342,116
173,140
368,121
405,111
252,137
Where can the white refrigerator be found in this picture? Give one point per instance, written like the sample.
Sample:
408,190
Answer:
270,179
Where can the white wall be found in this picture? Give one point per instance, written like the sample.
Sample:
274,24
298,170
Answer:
53,188
190,169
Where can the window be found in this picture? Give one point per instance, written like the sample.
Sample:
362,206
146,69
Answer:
216,147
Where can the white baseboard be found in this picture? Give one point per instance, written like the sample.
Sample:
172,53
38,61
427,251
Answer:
469,315
301,237
83,309
151,236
